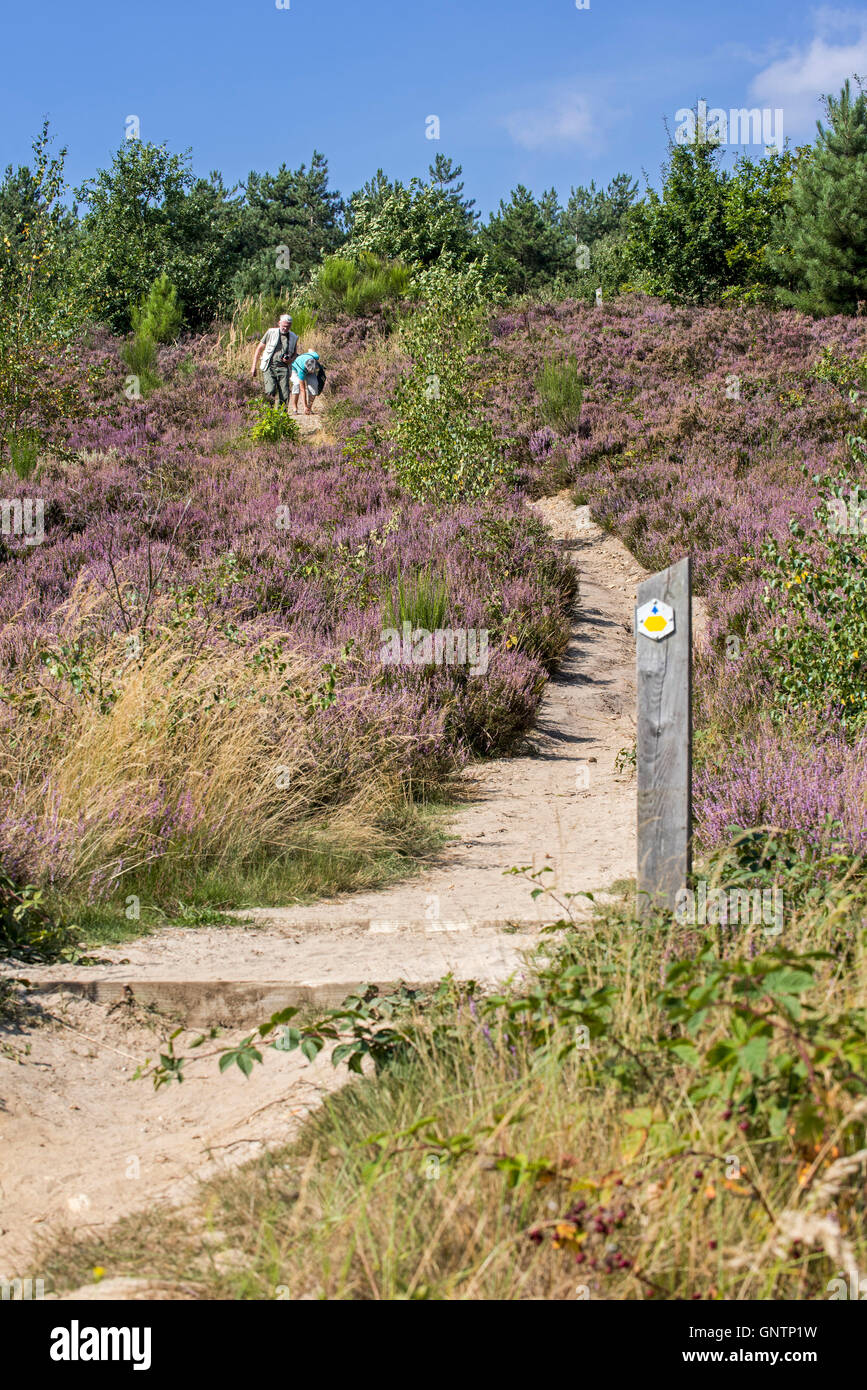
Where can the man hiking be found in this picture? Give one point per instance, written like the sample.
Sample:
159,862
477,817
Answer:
306,380
278,350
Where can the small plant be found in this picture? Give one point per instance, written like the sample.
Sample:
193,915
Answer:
420,598
27,929
24,450
627,758
272,424
561,393
159,316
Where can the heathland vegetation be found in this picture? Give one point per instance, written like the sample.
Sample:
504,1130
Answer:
194,713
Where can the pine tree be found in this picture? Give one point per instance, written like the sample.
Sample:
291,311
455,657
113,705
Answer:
159,316
525,242
822,255
289,222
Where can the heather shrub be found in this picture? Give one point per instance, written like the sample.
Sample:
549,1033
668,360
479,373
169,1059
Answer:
187,539
695,426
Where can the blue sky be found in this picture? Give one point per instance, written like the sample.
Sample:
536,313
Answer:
539,93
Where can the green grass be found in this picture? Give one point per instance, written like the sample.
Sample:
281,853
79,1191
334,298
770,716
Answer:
561,392
25,447
254,315
420,598
140,355
318,866
454,1172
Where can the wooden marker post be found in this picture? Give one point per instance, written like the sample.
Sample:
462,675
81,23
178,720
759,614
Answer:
663,636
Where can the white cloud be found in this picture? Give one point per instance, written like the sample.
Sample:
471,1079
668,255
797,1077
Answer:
565,118
798,80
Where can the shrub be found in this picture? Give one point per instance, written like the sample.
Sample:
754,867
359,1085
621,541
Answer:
26,928
272,424
159,317
446,449
360,286
817,597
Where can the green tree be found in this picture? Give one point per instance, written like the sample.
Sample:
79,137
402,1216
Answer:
592,213
414,224
526,243
756,196
37,320
148,214
821,256
289,222
678,241
159,317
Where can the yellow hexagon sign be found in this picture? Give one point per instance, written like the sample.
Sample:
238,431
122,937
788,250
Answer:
655,619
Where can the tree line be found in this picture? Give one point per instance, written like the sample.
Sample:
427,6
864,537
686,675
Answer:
788,227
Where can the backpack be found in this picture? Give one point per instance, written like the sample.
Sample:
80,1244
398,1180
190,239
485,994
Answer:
322,376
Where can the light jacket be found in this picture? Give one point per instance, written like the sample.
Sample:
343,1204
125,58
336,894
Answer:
272,343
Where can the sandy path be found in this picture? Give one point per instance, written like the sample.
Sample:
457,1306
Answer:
560,803
82,1143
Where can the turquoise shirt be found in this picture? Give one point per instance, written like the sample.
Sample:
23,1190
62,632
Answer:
300,365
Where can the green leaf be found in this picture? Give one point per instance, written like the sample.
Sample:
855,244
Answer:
788,981
639,1118
753,1054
